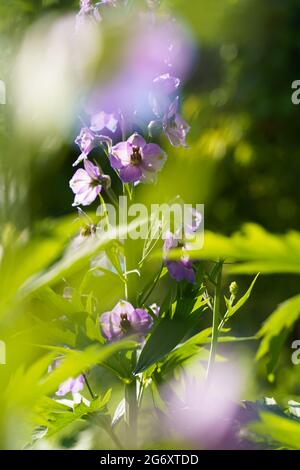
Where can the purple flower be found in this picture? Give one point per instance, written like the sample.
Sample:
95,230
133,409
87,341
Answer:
71,386
124,320
87,141
178,269
193,221
165,84
175,128
204,412
173,125
136,160
102,122
87,183
162,87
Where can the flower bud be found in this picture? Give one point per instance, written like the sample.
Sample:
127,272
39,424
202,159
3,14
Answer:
233,288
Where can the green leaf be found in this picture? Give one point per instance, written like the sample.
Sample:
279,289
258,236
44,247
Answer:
77,361
166,336
74,260
254,248
57,419
284,431
275,329
232,309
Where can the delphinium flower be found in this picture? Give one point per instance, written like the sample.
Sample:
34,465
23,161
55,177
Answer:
174,126
193,221
166,110
87,183
124,320
136,160
87,140
71,385
205,411
178,269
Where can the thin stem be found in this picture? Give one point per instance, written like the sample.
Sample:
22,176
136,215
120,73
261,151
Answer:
105,211
125,278
89,387
102,423
112,196
131,408
216,316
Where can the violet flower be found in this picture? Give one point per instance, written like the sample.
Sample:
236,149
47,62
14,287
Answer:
178,269
87,140
71,385
193,221
175,127
136,160
87,183
159,96
165,84
204,412
124,320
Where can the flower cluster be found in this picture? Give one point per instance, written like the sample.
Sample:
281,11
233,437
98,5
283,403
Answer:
124,122
136,160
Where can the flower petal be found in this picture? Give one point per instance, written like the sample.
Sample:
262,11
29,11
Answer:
123,307
130,174
137,140
91,169
153,157
120,155
87,197
166,84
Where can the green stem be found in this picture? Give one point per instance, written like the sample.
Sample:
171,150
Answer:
125,277
216,316
131,409
153,285
88,386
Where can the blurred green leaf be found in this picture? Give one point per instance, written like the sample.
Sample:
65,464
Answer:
275,330
285,432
